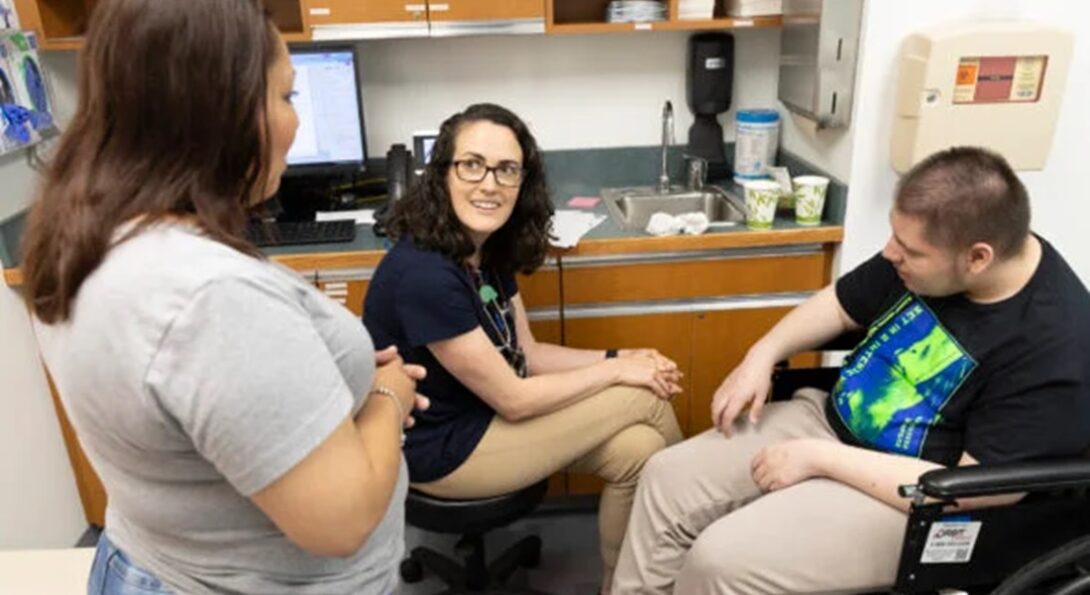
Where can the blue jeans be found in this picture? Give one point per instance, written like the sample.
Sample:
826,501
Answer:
114,574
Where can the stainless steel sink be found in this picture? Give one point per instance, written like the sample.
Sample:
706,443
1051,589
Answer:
631,208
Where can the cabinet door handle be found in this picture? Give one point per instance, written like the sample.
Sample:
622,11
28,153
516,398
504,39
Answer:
416,7
320,11
440,7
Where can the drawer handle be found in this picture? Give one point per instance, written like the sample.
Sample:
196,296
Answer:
320,12
416,7
440,7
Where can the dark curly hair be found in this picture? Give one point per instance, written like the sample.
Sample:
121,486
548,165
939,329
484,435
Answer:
427,215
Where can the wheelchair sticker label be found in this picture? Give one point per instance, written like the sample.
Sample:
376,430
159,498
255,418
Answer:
950,543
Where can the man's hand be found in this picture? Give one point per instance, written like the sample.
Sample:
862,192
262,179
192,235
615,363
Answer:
785,464
746,385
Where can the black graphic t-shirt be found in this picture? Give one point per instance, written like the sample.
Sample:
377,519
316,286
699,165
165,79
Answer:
419,297
937,377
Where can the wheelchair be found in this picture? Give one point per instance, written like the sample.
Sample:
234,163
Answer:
1039,545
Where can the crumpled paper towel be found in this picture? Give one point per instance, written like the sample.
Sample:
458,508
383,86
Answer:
663,224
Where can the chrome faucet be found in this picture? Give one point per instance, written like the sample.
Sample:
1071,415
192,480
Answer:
667,136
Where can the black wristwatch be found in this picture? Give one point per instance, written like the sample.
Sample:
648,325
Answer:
611,353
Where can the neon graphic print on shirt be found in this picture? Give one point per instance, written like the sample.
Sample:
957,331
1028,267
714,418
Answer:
892,390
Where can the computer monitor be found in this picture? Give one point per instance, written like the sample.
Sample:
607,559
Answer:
330,138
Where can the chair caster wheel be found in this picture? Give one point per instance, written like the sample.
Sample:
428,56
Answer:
412,571
531,557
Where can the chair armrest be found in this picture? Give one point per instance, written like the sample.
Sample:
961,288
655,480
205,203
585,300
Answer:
1008,478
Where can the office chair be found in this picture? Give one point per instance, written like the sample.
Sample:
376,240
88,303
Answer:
1041,544
472,519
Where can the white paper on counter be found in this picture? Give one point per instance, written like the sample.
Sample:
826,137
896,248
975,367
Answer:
570,225
362,216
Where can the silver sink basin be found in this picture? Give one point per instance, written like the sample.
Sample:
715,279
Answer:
631,208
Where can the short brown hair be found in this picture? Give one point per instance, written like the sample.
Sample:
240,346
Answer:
171,121
967,195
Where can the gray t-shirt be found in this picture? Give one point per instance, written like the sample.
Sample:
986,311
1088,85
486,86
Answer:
196,376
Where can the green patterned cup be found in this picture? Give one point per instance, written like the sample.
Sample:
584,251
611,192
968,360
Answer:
761,199
810,199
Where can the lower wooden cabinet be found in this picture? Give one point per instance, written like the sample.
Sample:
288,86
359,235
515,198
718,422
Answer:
720,342
91,492
668,333
702,314
349,293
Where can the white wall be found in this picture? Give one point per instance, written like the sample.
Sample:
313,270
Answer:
39,503
576,91
1060,210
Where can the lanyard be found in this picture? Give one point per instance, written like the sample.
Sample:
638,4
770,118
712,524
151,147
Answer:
497,310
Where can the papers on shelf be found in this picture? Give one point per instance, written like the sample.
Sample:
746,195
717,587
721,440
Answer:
695,10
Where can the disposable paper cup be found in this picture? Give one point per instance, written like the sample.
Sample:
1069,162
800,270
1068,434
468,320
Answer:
810,199
761,199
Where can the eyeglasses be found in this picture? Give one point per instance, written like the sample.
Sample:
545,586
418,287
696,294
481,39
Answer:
507,173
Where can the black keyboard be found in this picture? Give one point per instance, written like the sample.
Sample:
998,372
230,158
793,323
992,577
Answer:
300,232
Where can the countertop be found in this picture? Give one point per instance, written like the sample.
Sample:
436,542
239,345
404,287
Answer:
571,173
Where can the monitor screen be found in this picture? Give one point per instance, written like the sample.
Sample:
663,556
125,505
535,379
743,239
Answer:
327,100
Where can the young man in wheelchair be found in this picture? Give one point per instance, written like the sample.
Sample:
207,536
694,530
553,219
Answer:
977,351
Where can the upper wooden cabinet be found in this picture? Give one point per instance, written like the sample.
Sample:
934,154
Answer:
340,12
61,24
356,19
485,10
589,16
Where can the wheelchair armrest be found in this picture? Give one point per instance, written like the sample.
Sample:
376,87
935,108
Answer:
1008,478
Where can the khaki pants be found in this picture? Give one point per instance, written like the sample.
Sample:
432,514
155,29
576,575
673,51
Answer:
610,434
700,525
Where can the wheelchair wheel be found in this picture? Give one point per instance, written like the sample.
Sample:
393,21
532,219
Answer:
1040,576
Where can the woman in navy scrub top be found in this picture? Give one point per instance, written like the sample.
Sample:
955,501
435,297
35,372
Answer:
507,411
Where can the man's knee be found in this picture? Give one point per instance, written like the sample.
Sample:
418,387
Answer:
718,565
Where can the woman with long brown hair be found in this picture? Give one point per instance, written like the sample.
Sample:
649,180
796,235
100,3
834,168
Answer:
247,434
509,410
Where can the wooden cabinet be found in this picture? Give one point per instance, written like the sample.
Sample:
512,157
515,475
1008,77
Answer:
61,24
330,12
346,288
91,492
353,19
669,333
703,310
720,340
482,10
589,16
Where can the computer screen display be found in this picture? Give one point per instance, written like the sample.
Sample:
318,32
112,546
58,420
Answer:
327,100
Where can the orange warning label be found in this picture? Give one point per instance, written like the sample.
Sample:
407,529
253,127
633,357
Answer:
999,79
967,73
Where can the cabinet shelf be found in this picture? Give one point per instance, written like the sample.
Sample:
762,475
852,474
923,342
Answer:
61,24
669,25
588,16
